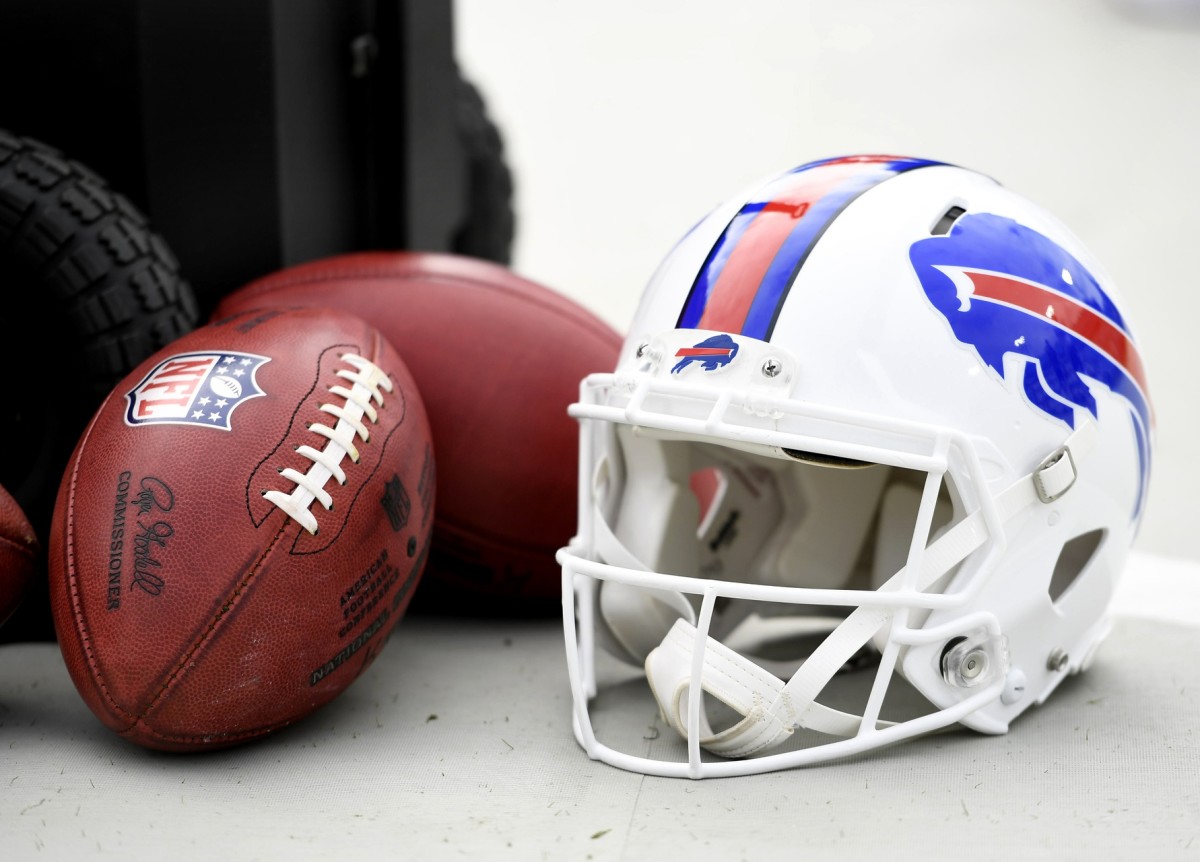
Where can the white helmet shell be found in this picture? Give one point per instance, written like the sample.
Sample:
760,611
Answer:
877,418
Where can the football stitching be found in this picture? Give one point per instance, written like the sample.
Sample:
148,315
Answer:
251,572
82,630
367,380
379,272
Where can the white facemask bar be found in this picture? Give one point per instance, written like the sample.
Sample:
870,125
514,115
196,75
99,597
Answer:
687,647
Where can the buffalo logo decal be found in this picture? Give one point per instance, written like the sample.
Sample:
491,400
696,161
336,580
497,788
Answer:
1005,288
712,353
195,389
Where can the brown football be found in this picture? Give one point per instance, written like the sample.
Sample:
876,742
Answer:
498,359
19,550
240,526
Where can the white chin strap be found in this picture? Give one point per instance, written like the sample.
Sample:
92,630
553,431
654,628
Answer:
772,709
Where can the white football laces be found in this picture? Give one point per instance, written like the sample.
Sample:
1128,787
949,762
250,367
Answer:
367,380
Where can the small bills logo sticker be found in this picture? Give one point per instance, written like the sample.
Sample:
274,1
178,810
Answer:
195,389
711,354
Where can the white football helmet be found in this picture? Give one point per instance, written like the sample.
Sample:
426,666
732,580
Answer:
869,466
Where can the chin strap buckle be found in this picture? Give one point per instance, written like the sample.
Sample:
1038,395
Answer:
1055,476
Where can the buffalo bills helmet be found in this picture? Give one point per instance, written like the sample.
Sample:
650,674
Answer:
869,466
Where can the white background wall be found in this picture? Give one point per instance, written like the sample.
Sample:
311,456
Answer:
625,121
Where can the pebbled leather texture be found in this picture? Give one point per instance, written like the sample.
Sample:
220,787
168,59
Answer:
498,359
193,613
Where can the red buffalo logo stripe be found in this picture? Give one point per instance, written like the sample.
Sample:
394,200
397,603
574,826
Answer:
1066,312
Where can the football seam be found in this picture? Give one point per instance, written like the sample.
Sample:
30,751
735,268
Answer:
82,630
22,548
208,633
252,570
206,740
133,719
377,274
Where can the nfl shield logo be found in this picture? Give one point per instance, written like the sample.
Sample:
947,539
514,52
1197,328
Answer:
195,389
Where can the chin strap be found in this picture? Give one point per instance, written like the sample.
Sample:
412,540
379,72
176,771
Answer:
772,709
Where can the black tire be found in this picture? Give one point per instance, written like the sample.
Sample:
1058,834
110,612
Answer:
98,292
491,224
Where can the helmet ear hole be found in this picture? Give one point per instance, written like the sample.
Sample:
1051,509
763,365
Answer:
1074,558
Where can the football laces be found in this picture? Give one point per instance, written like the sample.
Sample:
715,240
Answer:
367,384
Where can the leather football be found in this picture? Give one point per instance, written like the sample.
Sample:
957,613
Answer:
19,551
240,527
498,359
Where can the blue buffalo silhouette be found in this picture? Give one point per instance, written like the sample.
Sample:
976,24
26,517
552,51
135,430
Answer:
987,254
712,353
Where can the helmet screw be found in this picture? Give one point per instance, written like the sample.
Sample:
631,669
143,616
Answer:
642,348
1057,660
771,367
973,664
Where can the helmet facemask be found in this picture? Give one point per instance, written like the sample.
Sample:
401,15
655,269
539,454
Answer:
763,550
